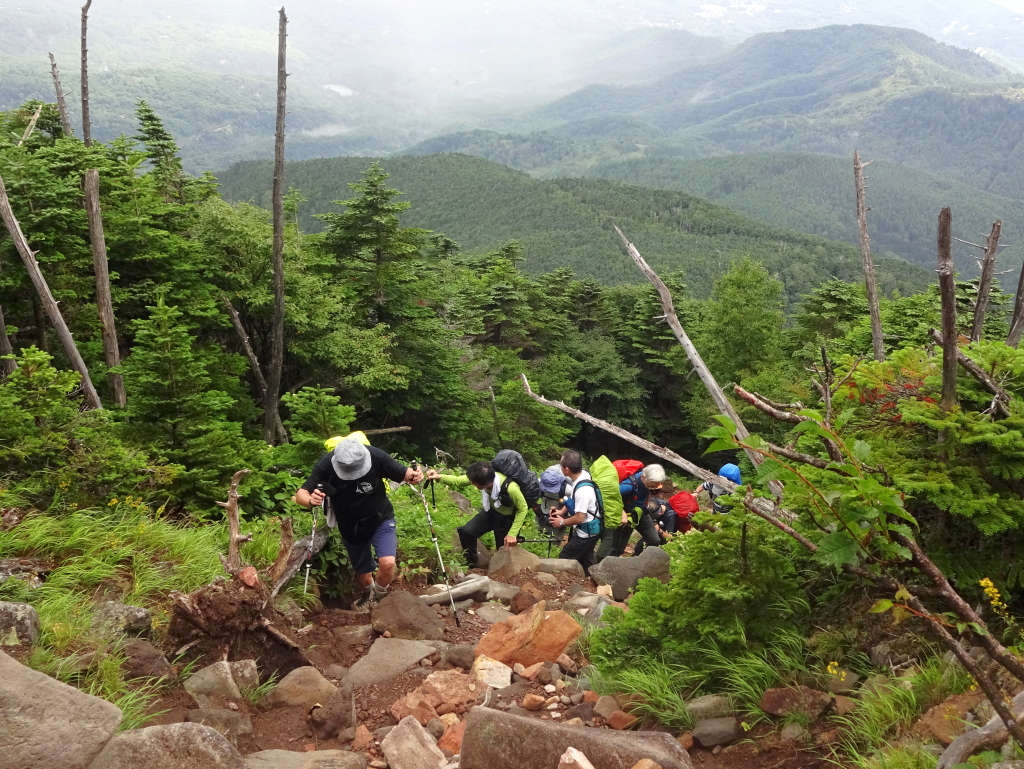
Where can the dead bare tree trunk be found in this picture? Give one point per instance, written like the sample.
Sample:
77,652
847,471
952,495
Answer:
1017,323
988,267
1001,399
947,289
254,364
104,304
717,394
865,252
494,414
62,105
43,290
270,401
233,563
86,125
6,366
31,125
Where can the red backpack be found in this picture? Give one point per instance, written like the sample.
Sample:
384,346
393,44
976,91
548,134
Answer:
626,468
685,505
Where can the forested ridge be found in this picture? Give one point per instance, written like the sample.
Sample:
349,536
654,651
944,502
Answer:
895,541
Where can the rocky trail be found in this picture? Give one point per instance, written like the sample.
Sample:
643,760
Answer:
405,687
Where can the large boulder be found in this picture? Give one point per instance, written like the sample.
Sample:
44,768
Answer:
622,574
45,724
947,720
388,658
19,624
318,759
143,660
302,688
507,563
336,715
214,680
495,738
712,732
175,746
531,637
558,565
410,746
231,724
116,619
796,699
403,615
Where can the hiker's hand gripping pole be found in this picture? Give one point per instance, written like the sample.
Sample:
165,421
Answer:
433,538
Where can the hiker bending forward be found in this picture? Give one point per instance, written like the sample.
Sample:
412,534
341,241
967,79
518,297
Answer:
636,491
354,480
581,509
503,508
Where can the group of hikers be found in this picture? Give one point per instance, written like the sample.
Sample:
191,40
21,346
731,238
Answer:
592,513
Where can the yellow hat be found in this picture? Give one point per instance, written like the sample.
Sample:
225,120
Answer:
330,443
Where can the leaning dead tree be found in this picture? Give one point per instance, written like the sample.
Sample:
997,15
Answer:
1000,398
234,617
667,305
1017,321
31,125
28,257
270,401
104,304
988,267
865,252
86,124
62,105
6,366
254,364
947,290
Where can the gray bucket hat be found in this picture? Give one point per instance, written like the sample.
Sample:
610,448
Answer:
351,460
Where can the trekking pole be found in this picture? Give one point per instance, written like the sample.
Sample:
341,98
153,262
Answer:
312,538
437,546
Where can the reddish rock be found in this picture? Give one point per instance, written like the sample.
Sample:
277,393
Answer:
531,637
309,747
363,738
414,704
827,738
566,663
945,722
797,699
522,601
686,740
844,704
450,690
646,763
591,696
531,673
451,740
620,720
249,576
533,702
532,589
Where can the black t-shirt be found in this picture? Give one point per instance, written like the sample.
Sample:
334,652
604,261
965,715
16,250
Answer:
359,506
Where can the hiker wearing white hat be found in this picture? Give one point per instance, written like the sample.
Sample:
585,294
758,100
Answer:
353,479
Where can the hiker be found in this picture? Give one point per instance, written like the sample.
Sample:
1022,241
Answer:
504,505
553,486
353,479
664,518
635,491
581,508
731,473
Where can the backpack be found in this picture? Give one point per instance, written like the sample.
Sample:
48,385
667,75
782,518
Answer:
511,464
637,498
627,467
599,518
606,478
685,505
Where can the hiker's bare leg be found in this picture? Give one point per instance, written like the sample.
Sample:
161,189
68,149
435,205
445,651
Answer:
385,571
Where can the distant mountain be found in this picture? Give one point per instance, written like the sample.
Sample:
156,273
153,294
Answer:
568,222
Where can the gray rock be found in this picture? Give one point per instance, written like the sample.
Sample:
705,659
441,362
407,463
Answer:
45,724
175,746
582,600
337,672
403,615
435,728
508,563
410,746
502,592
115,619
302,688
795,732
493,612
709,706
353,635
214,680
493,735
715,731
461,656
557,565
291,610
882,656
318,759
606,706
19,624
336,715
476,588
581,710
228,723
388,658
380,734
622,574
876,684
842,682
575,588
143,660
547,579
246,675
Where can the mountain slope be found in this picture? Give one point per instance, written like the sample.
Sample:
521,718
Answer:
568,222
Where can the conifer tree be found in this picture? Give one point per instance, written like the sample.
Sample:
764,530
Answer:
161,149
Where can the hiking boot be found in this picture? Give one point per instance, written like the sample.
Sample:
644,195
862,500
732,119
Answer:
379,592
367,601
